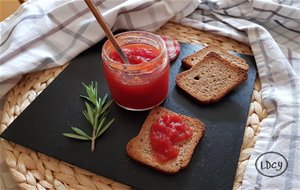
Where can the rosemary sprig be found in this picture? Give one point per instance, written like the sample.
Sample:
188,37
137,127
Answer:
96,113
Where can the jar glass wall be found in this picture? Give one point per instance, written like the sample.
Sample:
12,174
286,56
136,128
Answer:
139,86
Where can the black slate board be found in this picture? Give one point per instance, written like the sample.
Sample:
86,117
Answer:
59,107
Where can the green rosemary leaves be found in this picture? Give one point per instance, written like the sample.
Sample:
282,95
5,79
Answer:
96,113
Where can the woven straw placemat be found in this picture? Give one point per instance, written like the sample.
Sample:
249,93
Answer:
35,171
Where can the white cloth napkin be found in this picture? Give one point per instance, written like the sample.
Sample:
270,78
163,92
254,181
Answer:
44,34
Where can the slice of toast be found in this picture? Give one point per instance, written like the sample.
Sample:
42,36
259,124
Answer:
211,79
193,59
139,148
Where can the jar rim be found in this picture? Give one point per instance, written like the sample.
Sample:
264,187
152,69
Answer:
134,67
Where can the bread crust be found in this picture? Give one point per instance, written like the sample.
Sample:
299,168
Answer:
187,82
139,148
193,59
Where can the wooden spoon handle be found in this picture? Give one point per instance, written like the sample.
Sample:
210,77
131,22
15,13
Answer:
106,29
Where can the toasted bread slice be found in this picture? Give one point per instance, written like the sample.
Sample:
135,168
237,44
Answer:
193,59
139,148
211,79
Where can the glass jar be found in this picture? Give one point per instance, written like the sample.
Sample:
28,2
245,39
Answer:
139,86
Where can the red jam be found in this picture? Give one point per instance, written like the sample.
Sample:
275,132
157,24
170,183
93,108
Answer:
136,53
166,134
143,83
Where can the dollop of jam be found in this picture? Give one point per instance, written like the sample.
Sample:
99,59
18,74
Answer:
136,53
166,134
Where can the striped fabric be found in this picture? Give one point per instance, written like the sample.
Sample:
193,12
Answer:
272,29
44,34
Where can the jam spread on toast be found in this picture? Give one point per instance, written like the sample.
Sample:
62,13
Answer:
166,134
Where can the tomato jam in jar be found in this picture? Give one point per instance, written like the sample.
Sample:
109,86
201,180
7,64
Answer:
143,83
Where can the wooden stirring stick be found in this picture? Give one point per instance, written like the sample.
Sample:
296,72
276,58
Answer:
109,34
